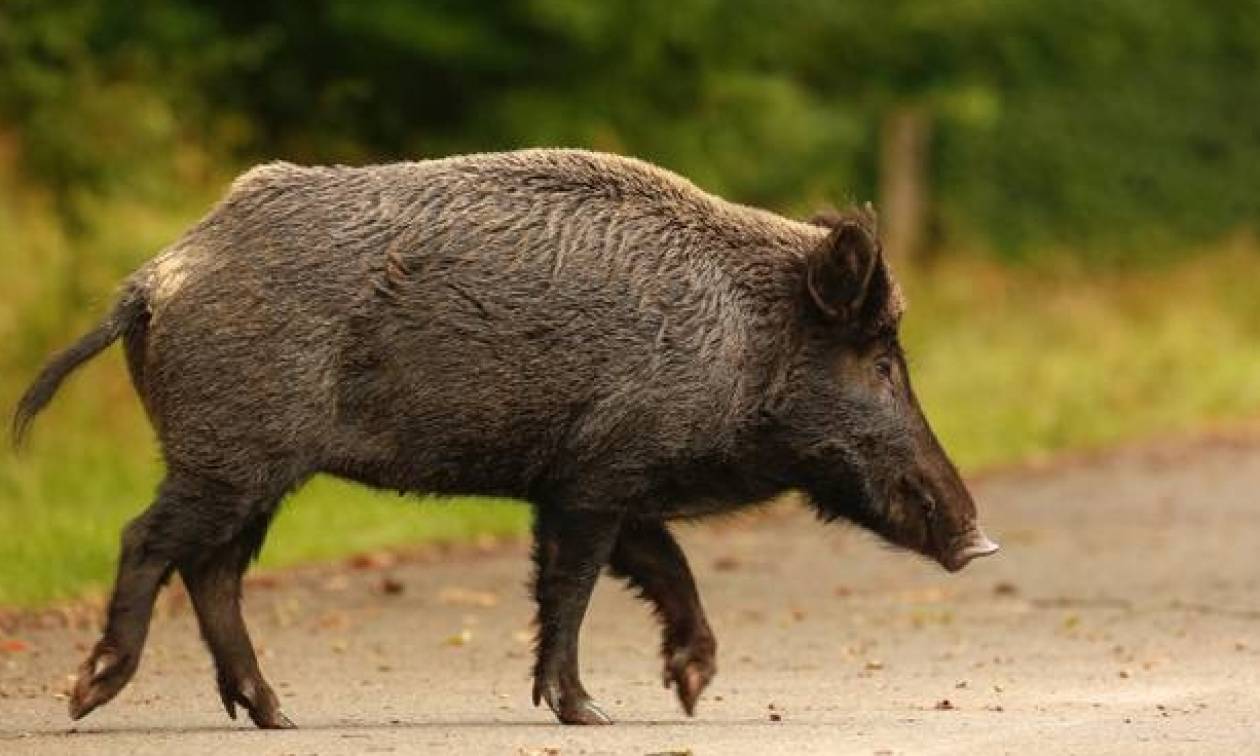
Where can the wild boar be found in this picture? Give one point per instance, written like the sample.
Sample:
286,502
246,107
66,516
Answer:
589,333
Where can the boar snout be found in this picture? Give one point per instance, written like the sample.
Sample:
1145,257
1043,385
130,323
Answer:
972,545
953,536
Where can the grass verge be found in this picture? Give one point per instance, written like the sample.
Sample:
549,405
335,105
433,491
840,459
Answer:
1010,363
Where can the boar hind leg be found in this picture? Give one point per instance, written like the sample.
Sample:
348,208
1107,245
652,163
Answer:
570,549
143,566
214,585
189,517
649,558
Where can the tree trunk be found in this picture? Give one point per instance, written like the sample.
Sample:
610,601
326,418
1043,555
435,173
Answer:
903,185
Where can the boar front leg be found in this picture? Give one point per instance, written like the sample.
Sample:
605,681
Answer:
570,549
649,558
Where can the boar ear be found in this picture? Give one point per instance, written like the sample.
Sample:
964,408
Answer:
840,271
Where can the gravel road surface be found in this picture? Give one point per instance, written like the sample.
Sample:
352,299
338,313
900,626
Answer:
1122,614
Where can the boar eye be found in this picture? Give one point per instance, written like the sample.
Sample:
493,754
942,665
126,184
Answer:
884,367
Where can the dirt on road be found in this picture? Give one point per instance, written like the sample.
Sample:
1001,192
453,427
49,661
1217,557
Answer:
1122,615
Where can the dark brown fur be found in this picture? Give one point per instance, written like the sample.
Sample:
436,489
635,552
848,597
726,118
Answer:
587,332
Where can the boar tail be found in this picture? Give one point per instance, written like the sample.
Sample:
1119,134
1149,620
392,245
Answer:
130,309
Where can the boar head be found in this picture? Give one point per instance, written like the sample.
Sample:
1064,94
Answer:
858,440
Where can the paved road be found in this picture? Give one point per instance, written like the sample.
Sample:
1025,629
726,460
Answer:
1122,614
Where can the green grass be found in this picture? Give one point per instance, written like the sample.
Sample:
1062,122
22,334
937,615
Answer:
64,502
1017,363
92,463
1010,363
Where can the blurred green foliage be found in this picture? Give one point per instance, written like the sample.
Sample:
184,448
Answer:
1121,127
1116,130
1010,364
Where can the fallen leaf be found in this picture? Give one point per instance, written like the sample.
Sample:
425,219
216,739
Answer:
933,595
464,597
264,581
334,620
336,583
392,586
14,645
372,561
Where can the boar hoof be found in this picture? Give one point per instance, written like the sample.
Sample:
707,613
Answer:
258,700
272,720
570,709
583,712
100,678
690,674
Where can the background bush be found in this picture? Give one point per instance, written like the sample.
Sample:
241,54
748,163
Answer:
1090,169
1120,125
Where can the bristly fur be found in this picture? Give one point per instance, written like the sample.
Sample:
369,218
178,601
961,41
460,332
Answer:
889,300
587,332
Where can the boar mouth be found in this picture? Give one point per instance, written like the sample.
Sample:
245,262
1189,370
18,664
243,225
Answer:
952,553
972,546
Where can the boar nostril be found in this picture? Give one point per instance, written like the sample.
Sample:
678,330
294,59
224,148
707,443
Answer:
975,546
